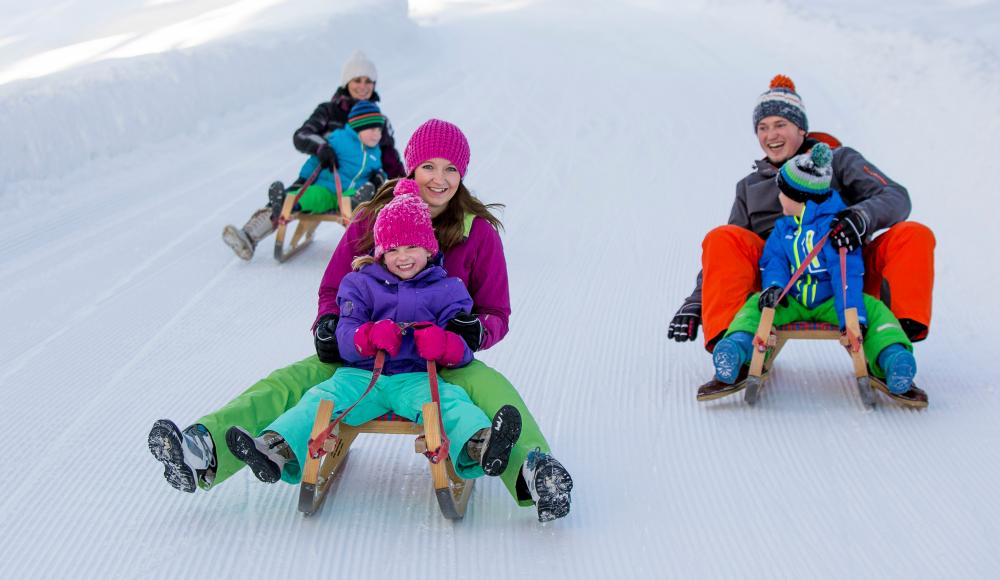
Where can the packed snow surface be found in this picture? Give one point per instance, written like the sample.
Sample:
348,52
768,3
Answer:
614,133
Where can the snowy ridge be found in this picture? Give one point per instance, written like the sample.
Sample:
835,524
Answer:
614,135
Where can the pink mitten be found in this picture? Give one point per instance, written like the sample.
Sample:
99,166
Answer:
454,349
386,335
430,342
363,340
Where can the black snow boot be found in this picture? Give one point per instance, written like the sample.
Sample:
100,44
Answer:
491,447
549,483
188,458
265,455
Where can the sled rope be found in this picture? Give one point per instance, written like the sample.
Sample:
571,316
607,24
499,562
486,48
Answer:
282,220
805,264
854,341
441,452
316,445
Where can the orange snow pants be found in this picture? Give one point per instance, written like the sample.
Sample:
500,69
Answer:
900,261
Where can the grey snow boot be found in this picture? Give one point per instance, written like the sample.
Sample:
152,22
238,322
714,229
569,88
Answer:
549,484
265,455
188,458
491,447
244,241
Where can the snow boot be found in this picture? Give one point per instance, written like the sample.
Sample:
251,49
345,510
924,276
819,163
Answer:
491,447
188,458
549,483
276,199
716,389
900,367
265,455
731,354
244,241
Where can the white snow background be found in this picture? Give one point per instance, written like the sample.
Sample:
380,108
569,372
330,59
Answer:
131,132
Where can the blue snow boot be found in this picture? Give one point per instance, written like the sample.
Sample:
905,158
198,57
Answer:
730,354
900,367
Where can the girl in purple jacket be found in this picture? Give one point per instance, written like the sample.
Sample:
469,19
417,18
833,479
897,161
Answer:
400,285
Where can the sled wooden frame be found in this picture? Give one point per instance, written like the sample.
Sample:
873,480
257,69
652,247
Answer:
451,491
772,340
307,224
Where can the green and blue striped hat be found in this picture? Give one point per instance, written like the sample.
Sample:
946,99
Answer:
807,177
365,115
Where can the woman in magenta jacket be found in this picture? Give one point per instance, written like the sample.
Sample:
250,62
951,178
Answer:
437,157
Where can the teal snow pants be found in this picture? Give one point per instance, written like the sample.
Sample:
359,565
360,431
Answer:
262,403
403,394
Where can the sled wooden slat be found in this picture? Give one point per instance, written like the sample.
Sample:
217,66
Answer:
451,492
304,229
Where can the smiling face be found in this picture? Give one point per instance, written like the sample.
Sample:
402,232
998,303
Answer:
370,136
406,262
779,138
438,180
361,88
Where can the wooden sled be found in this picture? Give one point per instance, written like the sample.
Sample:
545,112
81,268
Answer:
452,492
769,341
308,222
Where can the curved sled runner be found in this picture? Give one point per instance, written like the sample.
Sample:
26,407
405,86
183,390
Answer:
308,222
769,341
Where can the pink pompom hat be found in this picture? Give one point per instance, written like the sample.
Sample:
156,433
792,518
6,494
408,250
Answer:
404,221
437,138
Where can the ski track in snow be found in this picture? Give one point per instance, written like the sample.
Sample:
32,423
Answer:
113,320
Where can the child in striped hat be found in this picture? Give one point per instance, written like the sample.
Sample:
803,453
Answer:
809,205
356,158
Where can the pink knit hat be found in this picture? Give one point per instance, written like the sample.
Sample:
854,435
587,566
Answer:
437,138
404,221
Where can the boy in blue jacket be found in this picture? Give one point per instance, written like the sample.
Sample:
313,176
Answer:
353,149
809,205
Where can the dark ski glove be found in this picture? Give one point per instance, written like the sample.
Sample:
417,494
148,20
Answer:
325,337
769,298
327,157
468,327
848,229
684,325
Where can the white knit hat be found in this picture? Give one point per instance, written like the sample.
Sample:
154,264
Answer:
358,66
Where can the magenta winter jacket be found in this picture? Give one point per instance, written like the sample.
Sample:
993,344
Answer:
478,261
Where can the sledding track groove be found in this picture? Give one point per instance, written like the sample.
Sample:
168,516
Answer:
112,321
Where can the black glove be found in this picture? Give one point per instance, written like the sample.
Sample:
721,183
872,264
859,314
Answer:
468,327
848,229
769,298
325,337
364,193
684,325
327,157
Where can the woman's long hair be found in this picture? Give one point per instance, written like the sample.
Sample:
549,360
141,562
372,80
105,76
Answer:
449,227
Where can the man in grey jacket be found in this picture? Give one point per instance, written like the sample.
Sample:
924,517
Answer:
899,264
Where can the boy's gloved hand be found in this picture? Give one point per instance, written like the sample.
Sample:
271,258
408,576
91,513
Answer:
468,327
437,344
327,157
684,325
849,228
769,298
325,338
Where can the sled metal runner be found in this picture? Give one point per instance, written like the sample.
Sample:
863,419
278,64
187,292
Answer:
451,491
307,222
331,440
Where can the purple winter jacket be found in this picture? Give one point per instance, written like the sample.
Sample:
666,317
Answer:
373,293
478,261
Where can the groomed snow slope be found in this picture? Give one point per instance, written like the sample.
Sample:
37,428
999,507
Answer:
614,134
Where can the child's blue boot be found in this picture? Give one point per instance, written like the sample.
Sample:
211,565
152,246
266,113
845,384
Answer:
900,367
730,354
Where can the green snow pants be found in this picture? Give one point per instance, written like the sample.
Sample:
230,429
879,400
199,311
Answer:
883,328
318,199
268,398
